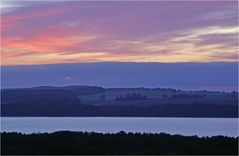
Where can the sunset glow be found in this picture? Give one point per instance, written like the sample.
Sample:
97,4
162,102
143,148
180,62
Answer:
74,32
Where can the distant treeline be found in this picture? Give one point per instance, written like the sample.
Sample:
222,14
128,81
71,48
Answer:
183,96
131,97
138,96
69,143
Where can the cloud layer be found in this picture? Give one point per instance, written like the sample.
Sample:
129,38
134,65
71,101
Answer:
156,31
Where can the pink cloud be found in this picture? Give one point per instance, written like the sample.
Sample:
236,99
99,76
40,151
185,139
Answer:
120,31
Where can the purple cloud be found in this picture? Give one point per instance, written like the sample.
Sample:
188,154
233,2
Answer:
156,31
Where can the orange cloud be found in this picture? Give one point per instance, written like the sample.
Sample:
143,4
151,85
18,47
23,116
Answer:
50,58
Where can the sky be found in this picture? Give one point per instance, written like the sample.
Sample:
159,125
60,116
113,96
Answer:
56,32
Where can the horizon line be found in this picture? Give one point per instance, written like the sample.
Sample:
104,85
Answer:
140,87
68,63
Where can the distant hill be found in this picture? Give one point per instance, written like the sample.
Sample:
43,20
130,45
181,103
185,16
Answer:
98,101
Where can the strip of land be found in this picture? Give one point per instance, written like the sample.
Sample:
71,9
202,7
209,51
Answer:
92,101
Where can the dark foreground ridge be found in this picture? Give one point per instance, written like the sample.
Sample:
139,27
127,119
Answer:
66,142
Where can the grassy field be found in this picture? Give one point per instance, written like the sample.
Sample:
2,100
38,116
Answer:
160,96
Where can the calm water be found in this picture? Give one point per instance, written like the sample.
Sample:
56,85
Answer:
183,126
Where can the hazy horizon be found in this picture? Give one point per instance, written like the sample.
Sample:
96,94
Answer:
217,76
22,65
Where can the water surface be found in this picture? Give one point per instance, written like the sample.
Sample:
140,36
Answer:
183,126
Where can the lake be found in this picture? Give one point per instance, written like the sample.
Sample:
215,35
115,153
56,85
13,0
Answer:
183,126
